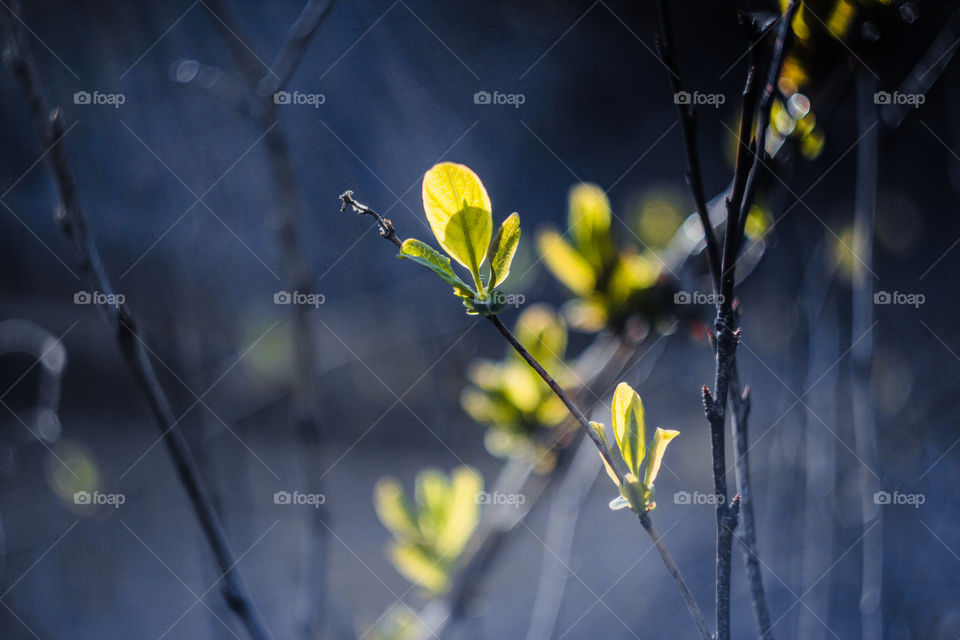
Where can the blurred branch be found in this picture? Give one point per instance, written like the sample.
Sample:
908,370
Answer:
73,222
387,232
297,274
558,544
861,355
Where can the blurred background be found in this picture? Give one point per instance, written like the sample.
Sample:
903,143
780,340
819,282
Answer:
181,193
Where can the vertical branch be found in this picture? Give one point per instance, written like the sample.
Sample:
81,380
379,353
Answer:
295,269
688,127
861,354
74,224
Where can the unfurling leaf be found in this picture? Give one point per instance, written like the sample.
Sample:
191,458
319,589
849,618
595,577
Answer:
601,431
432,259
628,426
661,439
460,214
502,250
568,266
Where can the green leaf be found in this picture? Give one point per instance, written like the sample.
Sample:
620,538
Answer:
463,512
432,259
432,491
661,439
502,250
601,431
567,266
419,567
393,510
543,333
459,211
628,426
589,222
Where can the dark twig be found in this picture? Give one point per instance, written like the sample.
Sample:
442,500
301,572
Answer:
388,232
688,127
73,222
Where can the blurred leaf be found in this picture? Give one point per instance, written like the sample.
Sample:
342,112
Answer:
463,512
543,333
418,567
432,259
567,266
628,426
460,214
588,219
661,439
393,510
502,250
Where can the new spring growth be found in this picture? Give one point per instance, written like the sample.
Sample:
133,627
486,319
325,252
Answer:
629,430
460,215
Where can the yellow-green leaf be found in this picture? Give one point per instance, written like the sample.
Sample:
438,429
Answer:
393,510
459,211
628,426
567,266
601,431
589,222
418,567
432,491
432,259
543,333
661,439
463,512
502,250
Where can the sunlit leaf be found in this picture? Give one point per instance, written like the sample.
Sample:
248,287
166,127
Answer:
661,438
502,250
619,503
543,333
393,510
432,259
432,491
419,567
601,431
463,512
459,211
628,426
589,222
568,266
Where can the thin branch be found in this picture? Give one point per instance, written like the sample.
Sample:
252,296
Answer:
73,222
297,274
388,232
688,126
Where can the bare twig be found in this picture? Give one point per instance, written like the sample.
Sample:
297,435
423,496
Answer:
688,126
388,232
73,222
